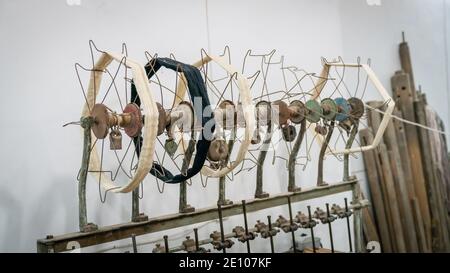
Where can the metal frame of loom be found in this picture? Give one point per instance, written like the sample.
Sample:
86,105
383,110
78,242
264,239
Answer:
106,234
140,224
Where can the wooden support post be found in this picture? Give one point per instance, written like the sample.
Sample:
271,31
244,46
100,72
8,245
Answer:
375,183
404,94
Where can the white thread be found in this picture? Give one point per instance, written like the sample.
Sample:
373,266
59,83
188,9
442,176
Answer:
408,122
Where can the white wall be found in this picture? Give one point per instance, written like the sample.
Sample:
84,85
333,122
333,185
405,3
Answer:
41,41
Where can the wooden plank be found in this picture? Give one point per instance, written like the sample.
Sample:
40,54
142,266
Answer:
420,228
375,191
123,231
404,206
406,64
374,119
439,234
393,203
440,239
408,175
369,228
403,92
409,230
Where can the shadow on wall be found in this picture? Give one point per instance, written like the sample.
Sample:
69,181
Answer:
46,217
12,212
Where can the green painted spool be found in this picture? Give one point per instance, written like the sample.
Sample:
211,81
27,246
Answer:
314,111
329,109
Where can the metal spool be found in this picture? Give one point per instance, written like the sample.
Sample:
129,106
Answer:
100,115
134,127
226,115
289,133
357,107
322,130
162,120
344,109
297,111
218,150
282,111
183,116
314,112
329,109
263,113
130,120
240,119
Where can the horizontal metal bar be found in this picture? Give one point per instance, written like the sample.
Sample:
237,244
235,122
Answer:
125,230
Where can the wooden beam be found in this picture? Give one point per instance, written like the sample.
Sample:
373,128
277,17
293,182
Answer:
375,181
123,231
403,91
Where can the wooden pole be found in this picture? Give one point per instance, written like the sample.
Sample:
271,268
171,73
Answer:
392,196
406,215
375,190
404,94
438,215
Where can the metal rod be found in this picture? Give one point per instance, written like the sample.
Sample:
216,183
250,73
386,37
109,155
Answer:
348,226
293,156
197,246
86,123
183,206
166,243
323,149
135,205
222,235
121,231
222,193
269,220
259,192
246,225
133,240
312,230
329,228
294,247
348,145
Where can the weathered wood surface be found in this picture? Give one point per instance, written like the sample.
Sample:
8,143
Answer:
406,215
420,228
406,64
404,96
374,180
369,227
440,239
408,176
374,120
398,237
